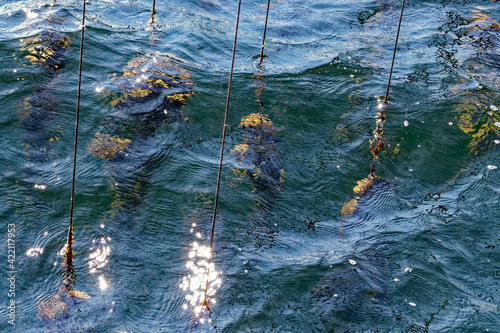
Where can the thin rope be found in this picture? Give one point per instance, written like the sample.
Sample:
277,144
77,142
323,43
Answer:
69,251
205,301
377,144
265,29
153,12
394,53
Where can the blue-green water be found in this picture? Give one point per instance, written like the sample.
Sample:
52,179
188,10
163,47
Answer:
420,254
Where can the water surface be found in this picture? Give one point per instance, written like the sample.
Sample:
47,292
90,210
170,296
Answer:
420,254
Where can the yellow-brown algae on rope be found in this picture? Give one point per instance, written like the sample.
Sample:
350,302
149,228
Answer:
107,147
257,121
46,49
478,117
477,110
349,207
377,144
239,150
482,22
360,189
364,185
259,155
259,87
59,306
163,64
148,76
181,98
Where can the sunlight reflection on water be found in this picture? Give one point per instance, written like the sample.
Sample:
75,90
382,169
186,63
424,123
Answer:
194,283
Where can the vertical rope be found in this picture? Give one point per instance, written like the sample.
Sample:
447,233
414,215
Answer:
394,53
265,29
205,301
69,250
153,12
377,144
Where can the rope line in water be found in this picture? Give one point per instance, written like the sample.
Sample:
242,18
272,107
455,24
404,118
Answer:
378,142
69,250
265,29
205,301
394,52
153,12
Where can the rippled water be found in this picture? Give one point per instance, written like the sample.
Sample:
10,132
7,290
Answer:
420,252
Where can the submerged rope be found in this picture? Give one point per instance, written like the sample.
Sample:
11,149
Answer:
205,301
377,144
265,29
69,250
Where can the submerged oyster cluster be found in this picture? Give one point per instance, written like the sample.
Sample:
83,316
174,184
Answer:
153,88
47,49
107,147
259,155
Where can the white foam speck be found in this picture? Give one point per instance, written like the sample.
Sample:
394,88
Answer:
29,13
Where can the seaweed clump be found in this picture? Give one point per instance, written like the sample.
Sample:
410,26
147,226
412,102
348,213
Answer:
259,155
107,147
